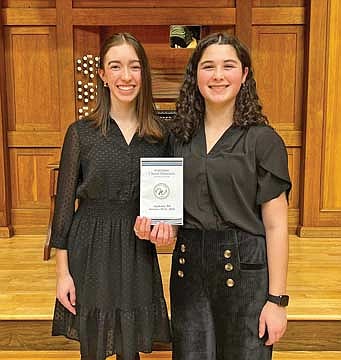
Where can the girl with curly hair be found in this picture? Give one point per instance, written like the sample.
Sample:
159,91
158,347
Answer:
229,265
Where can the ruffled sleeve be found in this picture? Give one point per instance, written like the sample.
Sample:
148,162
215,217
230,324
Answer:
272,166
68,178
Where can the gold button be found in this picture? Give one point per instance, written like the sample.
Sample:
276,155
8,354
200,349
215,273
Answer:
228,267
230,282
182,261
181,273
227,254
183,248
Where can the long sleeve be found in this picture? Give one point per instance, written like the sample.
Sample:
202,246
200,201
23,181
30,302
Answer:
68,179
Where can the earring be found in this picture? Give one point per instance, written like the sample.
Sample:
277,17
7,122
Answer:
106,84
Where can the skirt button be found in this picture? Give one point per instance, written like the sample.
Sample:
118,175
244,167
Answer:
182,260
227,254
228,267
230,282
181,273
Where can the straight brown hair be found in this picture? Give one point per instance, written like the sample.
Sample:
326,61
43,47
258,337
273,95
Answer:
149,125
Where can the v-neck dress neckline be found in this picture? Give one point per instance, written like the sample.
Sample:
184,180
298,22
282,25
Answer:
121,135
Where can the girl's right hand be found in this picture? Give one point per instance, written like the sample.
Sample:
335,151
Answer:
142,228
66,292
160,234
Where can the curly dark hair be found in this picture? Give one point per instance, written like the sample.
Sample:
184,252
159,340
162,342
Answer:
190,106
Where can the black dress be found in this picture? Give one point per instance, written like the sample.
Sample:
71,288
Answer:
120,303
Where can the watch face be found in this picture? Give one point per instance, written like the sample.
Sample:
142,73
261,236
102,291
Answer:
284,300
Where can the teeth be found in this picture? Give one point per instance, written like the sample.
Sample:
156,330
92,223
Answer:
125,87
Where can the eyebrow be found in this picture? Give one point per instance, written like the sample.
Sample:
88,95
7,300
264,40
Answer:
119,62
225,61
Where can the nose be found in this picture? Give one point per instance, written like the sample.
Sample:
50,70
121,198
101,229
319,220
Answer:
126,75
218,73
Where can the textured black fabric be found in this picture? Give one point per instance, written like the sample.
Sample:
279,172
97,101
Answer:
120,302
210,320
244,169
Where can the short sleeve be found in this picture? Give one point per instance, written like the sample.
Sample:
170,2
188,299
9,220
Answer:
272,166
68,178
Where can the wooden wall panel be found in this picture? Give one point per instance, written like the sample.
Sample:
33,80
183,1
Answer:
30,177
331,165
278,55
29,16
278,16
28,3
152,3
279,3
65,29
321,211
32,78
153,16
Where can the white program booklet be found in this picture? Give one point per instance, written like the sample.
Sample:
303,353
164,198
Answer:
161,190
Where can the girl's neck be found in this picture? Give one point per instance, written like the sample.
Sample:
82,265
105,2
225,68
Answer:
123,113
219,116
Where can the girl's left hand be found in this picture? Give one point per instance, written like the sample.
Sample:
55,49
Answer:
163,234
273,318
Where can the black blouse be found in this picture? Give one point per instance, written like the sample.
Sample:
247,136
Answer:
226,187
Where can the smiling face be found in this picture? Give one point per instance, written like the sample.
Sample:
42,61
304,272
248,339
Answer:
220,75
122,72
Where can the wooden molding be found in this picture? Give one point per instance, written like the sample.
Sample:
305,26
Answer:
278,16
34,139
318,232
5,198
28,16
154,16
6,231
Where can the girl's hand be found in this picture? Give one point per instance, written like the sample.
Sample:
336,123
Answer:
274,319
142,228
163,234
66,292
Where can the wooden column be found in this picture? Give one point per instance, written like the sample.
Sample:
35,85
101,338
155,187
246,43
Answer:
64,29
5,201
244,21
321,200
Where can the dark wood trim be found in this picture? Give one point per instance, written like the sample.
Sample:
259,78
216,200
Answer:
5,199
244,21
65,64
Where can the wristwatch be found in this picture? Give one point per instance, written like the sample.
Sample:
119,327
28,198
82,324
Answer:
280,300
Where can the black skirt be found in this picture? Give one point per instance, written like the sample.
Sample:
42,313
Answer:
120,302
